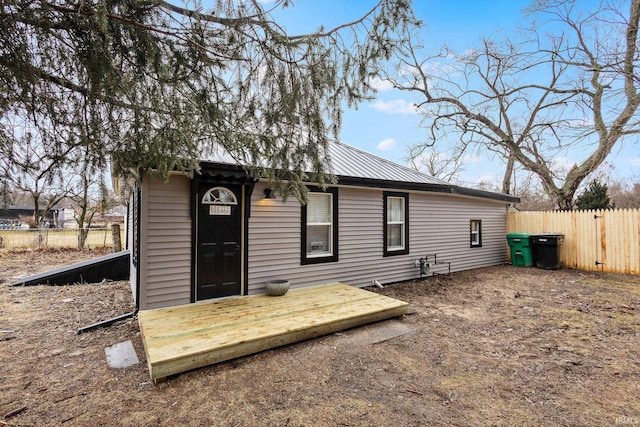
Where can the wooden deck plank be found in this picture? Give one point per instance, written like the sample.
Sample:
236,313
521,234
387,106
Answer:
177,339
240,306
197,339
227,312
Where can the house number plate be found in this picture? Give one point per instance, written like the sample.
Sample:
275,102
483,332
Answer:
219,210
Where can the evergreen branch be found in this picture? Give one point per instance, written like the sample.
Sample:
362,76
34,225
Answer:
334,30
64,83
234,22
89,12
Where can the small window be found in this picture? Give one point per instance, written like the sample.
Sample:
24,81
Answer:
476,233
396,224
219,196
320,227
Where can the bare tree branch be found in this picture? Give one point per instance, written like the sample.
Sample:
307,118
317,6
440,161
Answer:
535,100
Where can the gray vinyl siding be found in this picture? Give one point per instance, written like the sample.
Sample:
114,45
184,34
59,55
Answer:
437,224
166,242
441,225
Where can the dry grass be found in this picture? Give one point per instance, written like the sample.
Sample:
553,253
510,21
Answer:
497,346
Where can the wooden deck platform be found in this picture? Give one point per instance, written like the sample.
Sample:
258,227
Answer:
177,339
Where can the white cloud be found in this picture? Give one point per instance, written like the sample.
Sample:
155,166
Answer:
585,122
562,165
439,69
471,159
380,84
489,178
488,181
634,161
386,144
395,106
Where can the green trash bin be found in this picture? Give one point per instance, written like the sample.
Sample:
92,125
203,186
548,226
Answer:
521,248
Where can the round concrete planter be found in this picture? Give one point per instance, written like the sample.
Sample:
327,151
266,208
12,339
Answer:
277,287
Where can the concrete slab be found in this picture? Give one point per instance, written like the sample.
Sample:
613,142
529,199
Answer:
121,355
376,333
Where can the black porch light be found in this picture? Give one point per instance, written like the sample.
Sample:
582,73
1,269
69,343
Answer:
268,193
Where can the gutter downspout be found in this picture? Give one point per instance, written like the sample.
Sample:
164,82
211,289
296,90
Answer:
109,322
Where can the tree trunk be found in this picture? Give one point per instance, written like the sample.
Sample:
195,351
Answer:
508,173
117,242
566,202
559,200
36,212
82,237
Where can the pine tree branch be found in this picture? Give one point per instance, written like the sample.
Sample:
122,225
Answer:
67,84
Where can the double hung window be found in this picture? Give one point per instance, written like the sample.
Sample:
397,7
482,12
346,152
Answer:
396,223
320,227
475,226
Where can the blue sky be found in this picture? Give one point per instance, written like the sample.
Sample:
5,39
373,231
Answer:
386,126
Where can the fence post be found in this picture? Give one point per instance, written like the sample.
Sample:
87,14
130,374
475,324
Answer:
42,238
115,233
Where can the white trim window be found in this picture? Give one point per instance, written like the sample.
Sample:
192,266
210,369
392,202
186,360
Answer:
319,225
396,223
475,226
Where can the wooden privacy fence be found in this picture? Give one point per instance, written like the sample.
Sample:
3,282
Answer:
596,240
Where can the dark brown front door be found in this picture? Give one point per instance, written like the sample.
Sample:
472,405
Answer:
219,241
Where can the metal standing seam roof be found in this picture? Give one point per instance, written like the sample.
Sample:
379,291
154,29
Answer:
347,161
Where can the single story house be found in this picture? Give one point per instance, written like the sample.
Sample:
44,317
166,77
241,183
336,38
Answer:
222,233
11,216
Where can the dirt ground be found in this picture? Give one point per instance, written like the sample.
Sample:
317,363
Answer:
496,346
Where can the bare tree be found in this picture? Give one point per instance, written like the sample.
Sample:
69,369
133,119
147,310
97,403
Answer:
441,165
89,195
32,165
6,197
575,90
625,194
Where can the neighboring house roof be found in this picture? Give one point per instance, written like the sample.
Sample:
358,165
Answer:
21,208
117,210
357,167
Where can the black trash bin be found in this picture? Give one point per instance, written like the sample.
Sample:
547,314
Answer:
547,250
